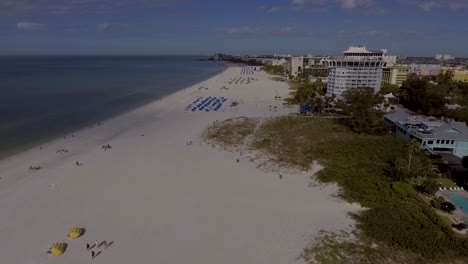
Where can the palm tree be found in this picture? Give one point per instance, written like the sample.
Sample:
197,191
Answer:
413,147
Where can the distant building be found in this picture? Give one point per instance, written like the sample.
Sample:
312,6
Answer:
279,62
434,134
391,60
307,66
426,69
458,75
444,57
396,74
358,67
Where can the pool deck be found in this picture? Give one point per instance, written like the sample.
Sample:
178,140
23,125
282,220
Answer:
458,215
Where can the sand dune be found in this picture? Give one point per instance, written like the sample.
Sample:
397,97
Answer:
159,200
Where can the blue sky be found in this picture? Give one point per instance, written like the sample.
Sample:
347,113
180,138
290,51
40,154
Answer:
413,27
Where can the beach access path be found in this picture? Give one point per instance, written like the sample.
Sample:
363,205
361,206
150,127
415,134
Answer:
158,199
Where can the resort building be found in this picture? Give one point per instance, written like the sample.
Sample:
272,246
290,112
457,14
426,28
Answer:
435,135
458,75
304,67
357,68
395,74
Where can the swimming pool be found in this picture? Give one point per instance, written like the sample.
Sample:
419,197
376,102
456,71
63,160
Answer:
460,201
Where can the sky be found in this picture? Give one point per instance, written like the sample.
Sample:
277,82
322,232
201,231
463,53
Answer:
188,27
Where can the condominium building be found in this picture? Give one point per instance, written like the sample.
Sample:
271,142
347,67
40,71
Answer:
435,135
358,67
457,75
396,74
305,66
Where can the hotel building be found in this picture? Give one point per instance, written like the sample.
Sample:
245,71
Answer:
396,74
304,67
358,67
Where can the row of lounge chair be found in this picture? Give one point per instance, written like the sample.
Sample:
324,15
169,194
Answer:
452,189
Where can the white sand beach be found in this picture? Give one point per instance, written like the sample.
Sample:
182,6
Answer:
159,200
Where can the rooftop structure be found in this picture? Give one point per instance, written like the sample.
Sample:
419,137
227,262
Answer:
358,67
435,135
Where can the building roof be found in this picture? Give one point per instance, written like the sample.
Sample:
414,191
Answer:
431,127
357,49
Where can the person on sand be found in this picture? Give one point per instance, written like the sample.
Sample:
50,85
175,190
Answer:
93,254
281,176
237,160
77,163
96,243
87,246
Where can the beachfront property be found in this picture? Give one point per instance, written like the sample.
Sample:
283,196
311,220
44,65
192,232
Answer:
395,74
305,66
435,135
358,67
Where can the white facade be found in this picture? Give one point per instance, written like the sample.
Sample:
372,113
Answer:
357,68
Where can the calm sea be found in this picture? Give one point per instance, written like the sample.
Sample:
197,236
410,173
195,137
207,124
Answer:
45,97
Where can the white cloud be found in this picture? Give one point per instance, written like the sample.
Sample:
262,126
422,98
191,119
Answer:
433,4
355,3
347,4
103,26
427,6
30,26
273,9
240,30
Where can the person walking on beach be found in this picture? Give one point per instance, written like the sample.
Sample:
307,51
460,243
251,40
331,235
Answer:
93,254
96,243
87,246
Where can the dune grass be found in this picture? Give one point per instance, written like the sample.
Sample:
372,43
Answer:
230,133
396,217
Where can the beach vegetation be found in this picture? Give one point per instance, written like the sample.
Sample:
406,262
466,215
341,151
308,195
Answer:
465,162
274,69
360,105
231,132
381,173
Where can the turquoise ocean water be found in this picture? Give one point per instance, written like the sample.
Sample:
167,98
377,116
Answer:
44,97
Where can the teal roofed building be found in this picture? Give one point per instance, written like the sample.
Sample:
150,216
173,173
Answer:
435,135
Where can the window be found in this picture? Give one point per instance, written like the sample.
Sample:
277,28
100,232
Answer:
442,142
452,142
430,142
438,141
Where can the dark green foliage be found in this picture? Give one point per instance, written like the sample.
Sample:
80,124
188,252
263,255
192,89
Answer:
360,105
414,226
459,226
307,93
447,207
437,202
465,162
389,88
419,95
404,190
429,186
360,165
276,70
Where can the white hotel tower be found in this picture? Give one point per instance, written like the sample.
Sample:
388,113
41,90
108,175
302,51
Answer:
358,67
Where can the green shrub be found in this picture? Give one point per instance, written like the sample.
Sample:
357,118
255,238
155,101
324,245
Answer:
404,190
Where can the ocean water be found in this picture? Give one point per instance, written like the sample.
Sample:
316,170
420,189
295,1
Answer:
44,97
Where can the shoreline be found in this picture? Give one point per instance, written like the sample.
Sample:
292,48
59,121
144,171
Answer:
35,143
160,199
